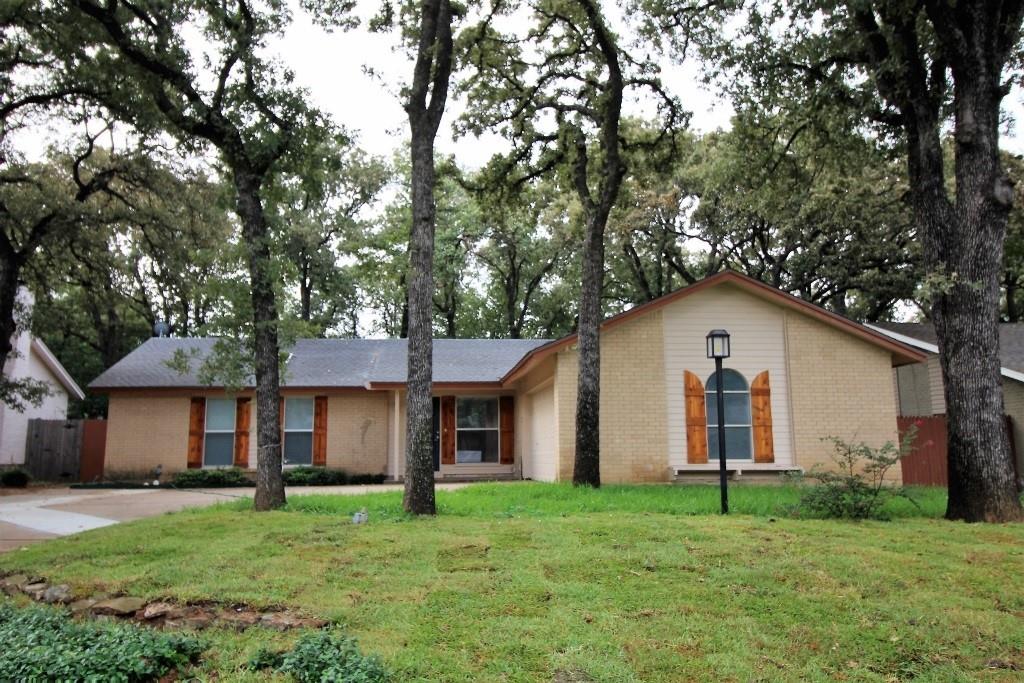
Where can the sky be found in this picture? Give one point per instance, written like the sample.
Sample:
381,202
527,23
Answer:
334,68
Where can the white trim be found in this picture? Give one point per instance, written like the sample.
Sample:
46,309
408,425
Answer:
932,348
54,366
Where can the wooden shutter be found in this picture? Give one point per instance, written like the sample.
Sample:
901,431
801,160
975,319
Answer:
696,420
196,432
761,418
242,432
507,424
320,431
447,430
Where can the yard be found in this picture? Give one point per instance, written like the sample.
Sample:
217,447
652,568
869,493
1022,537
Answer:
542,582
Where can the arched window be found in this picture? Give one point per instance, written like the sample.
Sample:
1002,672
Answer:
736,392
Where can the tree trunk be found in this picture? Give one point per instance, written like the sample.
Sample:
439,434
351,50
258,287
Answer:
10,273
431,74
587,468
419,467
965,243
269,482
1012,314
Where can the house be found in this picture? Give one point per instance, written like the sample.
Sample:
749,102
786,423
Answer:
506,408
919,391
31,359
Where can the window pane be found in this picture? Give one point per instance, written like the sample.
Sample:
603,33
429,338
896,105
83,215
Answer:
737,443
737,408
478,412
220,414
219,449
477,445
732,381
298,413
298,448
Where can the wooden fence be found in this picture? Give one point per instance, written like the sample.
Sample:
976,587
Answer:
53,448
65,450
927,464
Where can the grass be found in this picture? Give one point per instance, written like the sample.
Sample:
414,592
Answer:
537,582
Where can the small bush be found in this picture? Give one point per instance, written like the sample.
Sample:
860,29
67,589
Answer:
857,488
223,478
330,656
43,643
15,478
315,476
322,476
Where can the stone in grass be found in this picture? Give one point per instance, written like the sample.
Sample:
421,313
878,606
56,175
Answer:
119,607
282,621
57,594
81,606
35,589
239,619
195,618
157,610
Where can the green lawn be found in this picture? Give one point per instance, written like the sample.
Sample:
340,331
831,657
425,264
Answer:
537,582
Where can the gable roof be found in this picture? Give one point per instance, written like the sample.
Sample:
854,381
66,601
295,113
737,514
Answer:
56,368
902,353
325,363
922,336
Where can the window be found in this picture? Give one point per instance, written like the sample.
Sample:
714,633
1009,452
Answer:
736,395
476,430
219,442
298,431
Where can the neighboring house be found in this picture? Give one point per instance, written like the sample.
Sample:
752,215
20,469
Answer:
919,390
506,408
32,359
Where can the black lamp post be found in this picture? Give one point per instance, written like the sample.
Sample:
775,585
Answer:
718,348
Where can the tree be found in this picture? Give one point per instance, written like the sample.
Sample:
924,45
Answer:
908,70
248,112
559,102
318,214
425,100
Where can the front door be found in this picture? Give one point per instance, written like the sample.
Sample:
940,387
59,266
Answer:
436,431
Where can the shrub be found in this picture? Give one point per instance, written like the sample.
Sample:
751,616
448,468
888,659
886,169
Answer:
15,478
44,643
315,476
857,488
322,476
223,478
330,656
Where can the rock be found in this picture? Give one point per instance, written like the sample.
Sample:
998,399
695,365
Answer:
282,621
119,607
156,610
34,589
81,606
196,619
57,594
239,619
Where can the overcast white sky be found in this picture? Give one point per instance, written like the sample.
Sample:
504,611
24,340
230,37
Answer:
332,66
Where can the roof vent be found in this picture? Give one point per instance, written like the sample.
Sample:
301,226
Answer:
161,328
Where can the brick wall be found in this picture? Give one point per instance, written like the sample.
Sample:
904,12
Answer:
146,431
839,386
357,432
633,413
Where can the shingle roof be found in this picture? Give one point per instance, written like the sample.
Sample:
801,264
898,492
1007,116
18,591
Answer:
1011,340
326,362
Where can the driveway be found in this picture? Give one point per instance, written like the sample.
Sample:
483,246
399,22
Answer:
40,514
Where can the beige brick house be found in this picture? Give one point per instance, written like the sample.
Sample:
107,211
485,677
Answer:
505,408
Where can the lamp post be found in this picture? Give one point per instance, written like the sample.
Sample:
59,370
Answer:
718,348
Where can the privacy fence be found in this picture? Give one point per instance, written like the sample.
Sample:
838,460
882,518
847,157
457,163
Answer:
926,464
65,450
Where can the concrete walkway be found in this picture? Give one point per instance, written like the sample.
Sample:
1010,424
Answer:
41,514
